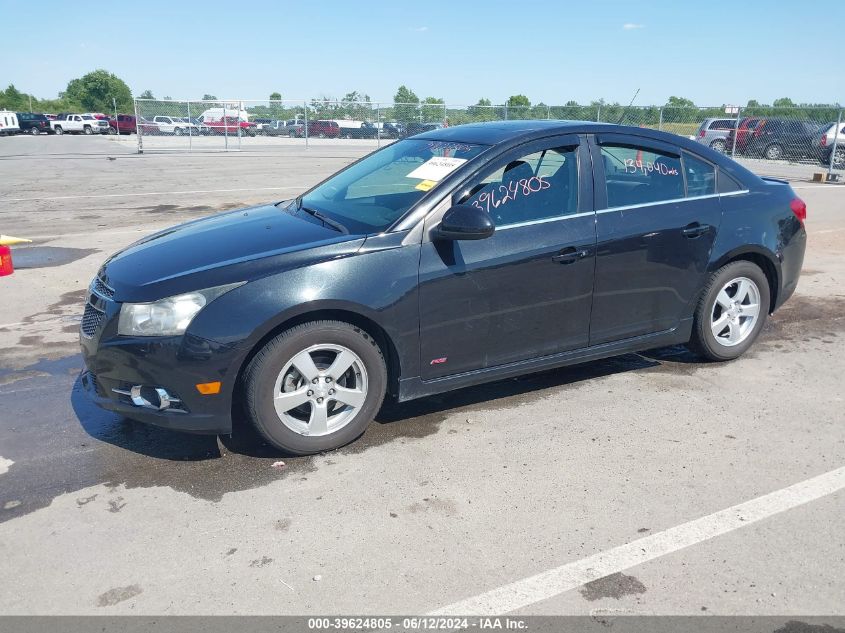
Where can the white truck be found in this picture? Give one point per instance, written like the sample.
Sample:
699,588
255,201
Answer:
79,124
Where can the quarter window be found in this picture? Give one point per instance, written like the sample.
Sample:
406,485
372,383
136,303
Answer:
637,175
536,186
701,176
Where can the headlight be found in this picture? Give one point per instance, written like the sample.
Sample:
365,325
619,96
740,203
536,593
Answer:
166,317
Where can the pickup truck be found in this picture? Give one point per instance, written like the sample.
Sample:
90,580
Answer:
79,124
229,125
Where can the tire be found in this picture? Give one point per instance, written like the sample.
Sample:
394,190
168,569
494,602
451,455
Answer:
59,130
291,134
112,131
773,152
722,328
275,369
718,145
34,131
177,131
321,135
837,159
88,130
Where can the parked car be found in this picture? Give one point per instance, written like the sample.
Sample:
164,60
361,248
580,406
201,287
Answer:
323,129
357,129
713,132
8,123
774,139
824,140
147,127
460,256
273,128
170,125
194,126
388,130
79,124
231,125
295,127
743,131
33,123
412,129
124,124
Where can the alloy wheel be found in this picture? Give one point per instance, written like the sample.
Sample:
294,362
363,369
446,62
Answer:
320,390
735,311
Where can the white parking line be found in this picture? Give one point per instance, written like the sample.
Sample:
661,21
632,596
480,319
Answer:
4,465
547,584
153,193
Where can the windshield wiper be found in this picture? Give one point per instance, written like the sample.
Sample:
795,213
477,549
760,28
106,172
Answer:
323,218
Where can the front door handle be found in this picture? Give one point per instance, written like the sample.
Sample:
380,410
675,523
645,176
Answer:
570,254
695,230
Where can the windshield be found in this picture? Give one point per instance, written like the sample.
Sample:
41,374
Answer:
374,193
87,117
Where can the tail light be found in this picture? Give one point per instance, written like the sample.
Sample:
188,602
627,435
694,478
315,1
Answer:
6,267
701,133
823,142
799,208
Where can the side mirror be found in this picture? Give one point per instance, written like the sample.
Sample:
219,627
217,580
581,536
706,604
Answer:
465,222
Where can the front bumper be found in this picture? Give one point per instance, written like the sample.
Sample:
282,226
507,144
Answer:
115,364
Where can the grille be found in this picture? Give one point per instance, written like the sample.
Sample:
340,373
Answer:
91,320
102,289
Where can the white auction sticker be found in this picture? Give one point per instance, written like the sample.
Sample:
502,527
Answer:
437,168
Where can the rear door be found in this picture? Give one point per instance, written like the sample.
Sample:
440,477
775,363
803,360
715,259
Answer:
524,292
656,221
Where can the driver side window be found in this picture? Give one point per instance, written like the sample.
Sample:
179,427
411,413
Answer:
536,186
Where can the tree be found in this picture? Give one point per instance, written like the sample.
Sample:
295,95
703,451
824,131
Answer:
432,109
275,96
679,102
95,91
518,101
147,94
784,102
208,97
408,111
753,103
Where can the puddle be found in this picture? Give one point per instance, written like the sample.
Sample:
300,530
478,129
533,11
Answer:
615,586
48,256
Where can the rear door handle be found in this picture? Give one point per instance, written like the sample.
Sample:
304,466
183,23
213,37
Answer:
570,254
695,230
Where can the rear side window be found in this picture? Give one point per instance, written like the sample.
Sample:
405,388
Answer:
638,175
701,176
722,124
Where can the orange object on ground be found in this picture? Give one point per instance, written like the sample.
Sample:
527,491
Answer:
6,267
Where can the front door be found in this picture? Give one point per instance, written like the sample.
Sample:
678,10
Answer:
657,219
525,291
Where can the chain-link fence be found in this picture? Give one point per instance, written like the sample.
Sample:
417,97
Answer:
808,136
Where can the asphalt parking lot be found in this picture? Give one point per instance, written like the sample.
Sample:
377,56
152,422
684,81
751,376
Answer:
651,483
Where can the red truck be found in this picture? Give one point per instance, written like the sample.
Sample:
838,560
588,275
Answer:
124,124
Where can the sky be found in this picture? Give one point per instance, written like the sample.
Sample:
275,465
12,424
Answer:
552,51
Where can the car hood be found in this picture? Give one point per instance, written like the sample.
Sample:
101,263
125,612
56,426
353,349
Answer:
227,248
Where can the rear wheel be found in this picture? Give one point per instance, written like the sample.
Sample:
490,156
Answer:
315,387
88,130
773,152
731,312
112,131
177,131
838,158
718,145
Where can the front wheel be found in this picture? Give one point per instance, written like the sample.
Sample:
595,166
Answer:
718,145
774,152
59,130
837,158
315,387
731,312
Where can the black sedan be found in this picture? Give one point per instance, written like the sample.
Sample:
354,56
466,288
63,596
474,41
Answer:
459,256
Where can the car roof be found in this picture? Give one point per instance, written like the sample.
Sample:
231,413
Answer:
495,132
512,133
